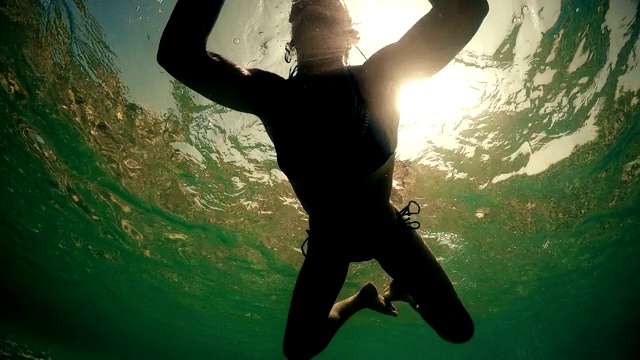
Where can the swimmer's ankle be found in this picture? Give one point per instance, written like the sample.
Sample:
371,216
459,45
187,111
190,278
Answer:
396,292
368,297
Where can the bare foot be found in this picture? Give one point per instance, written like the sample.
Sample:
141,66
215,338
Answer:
395,292
370,298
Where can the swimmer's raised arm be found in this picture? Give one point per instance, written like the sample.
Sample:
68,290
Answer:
183,54
431,43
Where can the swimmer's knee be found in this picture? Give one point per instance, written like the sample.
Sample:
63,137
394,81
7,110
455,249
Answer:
293,353
460,336
290,353
458,332
297,350
289,350
452,324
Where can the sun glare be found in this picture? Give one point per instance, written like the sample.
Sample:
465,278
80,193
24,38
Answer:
382,22
425,103
435,101
432,111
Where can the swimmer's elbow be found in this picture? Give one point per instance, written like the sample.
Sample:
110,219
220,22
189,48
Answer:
171,65
175,55
474,9
176,60
162,59
166,56
470,14
167,63
478,9
481,8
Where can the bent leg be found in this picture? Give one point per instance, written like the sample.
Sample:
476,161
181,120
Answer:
414,269
314,319
311,323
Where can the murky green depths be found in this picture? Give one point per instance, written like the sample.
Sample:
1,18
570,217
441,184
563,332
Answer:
134,233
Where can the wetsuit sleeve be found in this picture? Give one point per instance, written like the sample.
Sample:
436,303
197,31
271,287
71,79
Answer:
183,54
431,43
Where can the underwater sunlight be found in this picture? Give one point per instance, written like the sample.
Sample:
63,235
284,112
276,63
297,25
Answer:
142,221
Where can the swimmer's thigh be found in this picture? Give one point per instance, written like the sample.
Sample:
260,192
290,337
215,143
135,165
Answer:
318,285
410,262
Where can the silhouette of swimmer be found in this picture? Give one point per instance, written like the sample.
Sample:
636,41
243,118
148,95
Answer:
334,128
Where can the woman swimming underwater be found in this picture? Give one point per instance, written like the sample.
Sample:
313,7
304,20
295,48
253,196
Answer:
334,128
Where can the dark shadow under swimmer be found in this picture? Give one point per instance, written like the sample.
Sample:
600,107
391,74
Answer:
334,128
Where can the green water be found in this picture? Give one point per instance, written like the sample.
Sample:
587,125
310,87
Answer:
132,232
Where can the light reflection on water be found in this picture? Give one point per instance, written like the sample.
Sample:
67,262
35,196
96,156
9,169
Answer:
449,111
185,201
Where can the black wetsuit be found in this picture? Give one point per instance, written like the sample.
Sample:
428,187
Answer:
327,126
327,140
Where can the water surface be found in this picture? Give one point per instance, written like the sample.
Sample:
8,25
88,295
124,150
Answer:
140,221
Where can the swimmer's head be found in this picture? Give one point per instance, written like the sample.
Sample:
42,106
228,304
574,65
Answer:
321,29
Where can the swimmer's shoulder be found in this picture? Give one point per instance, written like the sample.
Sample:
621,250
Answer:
380,93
